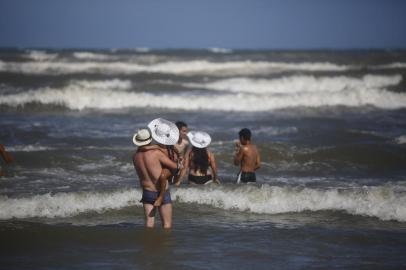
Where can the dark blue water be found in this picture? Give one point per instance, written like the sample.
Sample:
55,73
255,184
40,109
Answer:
330,126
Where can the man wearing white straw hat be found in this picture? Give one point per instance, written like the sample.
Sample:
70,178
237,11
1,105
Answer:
149,163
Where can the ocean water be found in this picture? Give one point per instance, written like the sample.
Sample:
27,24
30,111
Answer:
330,126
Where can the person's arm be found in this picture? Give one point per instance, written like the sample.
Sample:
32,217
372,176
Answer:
167,162
213,166
6,156
258,161
186,163
148,147
238,156
183,171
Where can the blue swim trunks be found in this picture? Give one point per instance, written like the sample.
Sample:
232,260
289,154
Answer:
151,196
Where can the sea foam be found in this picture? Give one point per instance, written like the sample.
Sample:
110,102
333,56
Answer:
40,55
115,94
299,84
169,67
93,56
384,202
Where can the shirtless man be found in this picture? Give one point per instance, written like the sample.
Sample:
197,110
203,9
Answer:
183,143
247,157
149,164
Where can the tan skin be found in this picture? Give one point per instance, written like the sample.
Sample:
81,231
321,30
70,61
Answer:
247,156
183,143
162,184
149,166
212,165
6,156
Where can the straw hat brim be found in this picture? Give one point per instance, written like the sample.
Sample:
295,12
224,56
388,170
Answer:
191,136
141,142
169,139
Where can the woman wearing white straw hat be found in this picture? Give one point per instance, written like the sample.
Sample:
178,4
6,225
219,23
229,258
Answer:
200,161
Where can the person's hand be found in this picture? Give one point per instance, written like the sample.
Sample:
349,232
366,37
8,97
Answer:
237,145
158,201
180,163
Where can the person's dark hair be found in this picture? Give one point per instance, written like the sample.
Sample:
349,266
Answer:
200,159
245,133
180,124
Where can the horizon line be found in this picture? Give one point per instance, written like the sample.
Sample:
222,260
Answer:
201,48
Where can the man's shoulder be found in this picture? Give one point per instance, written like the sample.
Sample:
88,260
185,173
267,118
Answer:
251,148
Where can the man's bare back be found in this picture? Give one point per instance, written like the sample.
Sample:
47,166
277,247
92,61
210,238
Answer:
247,157
250,158
148,165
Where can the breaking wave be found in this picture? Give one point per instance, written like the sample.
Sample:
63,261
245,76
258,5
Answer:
384,202
298,84
171,67
401,139
252,95
93,56
40,55
220,50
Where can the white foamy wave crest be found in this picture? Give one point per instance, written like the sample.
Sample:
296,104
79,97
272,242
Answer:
220,50
41,55
92,56
381,202
142,50
178,68
66,204
297,84
401,139
275,130
28,148
107,84
109,99
391,66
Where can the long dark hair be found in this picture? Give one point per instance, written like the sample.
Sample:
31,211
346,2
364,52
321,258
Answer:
200,159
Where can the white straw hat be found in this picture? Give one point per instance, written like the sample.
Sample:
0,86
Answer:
164,131
142,137
199,139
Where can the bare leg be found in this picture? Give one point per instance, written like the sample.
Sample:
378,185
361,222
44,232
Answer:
165,211
149,212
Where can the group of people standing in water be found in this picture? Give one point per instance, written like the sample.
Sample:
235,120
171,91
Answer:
167,151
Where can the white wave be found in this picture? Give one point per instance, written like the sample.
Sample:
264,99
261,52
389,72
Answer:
41,55
93,56
267,130
390,66
171,67
142,50
28,148
78,98
220,50
401,139
298,84
383,202
65,204
106,84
